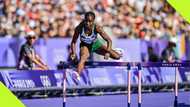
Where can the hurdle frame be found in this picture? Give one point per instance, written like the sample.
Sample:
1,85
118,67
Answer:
64,88
139,65
176,87
129,85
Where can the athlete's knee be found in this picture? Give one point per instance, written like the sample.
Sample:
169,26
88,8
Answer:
117,57
118,53
80,67
81,63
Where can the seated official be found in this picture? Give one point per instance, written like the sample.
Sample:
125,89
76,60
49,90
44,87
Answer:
28,59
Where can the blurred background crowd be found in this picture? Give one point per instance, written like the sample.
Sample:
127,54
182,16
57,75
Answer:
142,30
145,19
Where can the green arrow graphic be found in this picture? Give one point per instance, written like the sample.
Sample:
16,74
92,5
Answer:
8,99
181,6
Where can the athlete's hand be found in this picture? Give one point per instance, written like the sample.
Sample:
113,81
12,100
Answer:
41,68
46,67
73,56
107,55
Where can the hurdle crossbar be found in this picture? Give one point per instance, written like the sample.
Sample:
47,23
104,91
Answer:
143,64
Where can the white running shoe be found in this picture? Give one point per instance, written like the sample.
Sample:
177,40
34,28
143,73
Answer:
76,76
120,51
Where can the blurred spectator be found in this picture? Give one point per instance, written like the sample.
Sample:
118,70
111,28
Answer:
152,57
168,54
28,58
1,8
122,18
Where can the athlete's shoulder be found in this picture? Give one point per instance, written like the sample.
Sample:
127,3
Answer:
80,26
98,28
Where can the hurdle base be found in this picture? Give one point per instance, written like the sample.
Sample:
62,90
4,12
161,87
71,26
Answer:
129,104
139,104
175,101
64,104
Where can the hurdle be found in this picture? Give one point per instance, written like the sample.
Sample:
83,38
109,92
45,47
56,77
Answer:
64,89
176,87
139,84
129,85
97,64
176,65
139,66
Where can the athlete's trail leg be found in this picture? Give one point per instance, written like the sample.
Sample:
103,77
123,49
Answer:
113,54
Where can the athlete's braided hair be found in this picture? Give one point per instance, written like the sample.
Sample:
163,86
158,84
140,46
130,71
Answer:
90,13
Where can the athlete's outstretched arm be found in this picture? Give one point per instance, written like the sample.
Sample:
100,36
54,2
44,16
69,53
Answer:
74,40
105,36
